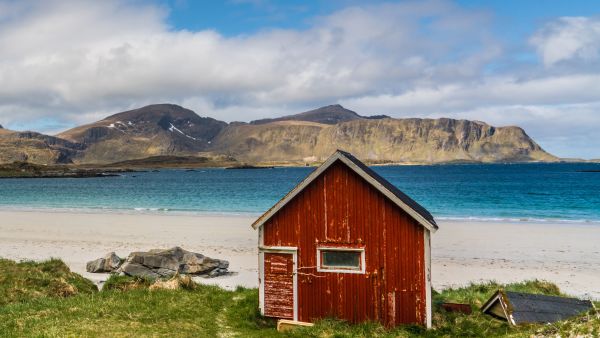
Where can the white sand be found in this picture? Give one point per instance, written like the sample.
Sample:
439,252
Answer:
566,254
80,237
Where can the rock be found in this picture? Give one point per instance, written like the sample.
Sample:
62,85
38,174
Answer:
194,263
160,261
165,272
217,272
139,270
108,263
95,265
167,263
112,261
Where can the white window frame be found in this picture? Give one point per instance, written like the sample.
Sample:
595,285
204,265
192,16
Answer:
363,264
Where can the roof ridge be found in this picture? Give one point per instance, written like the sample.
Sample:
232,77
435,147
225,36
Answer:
403,201
388,185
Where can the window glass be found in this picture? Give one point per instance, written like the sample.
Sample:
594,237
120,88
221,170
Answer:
340,259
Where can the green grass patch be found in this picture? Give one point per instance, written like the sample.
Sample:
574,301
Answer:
24,281
125,283
130,307
478,294
125,311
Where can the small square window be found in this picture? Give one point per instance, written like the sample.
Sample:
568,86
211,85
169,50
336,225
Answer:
340,260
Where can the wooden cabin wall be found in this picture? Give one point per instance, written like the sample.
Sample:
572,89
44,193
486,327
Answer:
340,208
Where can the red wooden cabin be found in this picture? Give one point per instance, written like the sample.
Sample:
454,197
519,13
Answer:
346,243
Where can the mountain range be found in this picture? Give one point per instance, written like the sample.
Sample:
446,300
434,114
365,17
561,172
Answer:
304,138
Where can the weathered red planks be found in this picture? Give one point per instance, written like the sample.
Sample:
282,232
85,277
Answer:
279,287
339,208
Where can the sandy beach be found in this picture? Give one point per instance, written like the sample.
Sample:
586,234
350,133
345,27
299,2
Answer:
566,254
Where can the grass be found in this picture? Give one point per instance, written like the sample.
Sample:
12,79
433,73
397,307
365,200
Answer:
25,281
131,308
477,324
125,283
30,305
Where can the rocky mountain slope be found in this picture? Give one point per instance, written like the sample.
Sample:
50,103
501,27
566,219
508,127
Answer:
35,148
332,114
381,141
309,137
161,129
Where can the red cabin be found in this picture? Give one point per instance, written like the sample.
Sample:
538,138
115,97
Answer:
346,243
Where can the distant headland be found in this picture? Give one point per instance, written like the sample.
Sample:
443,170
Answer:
157,133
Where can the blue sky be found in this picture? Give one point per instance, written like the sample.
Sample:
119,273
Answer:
245,17
535,64
513,18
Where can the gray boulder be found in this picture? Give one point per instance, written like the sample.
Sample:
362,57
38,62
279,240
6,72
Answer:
166,263
96,265
135,269
108,263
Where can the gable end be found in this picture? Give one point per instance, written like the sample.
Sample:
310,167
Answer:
415,210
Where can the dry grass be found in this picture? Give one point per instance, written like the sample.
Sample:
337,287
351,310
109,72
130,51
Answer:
176,283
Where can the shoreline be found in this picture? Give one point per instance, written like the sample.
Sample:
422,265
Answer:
462,251
131,211
205,213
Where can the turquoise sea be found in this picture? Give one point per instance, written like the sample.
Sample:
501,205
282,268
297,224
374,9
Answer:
520,192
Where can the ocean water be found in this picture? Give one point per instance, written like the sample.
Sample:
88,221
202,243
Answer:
517,192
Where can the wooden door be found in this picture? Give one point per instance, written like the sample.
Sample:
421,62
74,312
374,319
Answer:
279,285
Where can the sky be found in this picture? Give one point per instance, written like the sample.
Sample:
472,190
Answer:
535,64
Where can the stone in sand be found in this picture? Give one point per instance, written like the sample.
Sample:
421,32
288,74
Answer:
108,263
166,263
139,270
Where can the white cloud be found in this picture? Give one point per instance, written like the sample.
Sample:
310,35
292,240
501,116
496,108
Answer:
568,130
76,61
497,91
73,56
568,38
562,113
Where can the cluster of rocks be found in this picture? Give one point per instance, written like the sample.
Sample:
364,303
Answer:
159,263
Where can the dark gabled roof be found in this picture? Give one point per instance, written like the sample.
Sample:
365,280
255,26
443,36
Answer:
406,203
522,308
392,188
